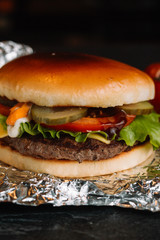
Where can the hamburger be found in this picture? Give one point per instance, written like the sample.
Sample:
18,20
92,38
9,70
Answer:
75,115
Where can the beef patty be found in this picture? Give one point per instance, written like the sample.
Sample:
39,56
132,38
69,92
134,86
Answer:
64,148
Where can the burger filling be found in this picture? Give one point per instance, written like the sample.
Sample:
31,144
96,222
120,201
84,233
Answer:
77,133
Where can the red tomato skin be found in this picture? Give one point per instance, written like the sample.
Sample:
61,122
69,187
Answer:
153,70
82,125
4,110
156,101
93,124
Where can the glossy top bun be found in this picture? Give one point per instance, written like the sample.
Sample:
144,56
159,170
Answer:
61,79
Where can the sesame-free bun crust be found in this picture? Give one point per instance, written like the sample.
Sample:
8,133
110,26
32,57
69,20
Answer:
73,169
73,80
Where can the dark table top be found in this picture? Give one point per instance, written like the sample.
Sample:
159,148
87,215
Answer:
48,222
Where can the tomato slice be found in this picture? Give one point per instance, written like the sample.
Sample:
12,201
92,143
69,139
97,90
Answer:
129,119
4,110
153,70
87,124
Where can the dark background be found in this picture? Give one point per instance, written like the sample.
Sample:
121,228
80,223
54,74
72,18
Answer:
125,30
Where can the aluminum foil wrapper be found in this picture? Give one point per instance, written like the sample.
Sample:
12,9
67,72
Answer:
10,50
137,188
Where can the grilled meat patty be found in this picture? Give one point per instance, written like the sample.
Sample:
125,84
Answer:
64,148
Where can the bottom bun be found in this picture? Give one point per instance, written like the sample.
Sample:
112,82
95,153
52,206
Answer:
73,169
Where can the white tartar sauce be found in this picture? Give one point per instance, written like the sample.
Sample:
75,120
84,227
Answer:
14,131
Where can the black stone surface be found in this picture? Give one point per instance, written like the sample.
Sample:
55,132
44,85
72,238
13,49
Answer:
80,223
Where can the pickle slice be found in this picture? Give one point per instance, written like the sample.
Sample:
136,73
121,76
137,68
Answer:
139,108
57,115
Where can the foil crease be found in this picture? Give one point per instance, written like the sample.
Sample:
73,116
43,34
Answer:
137,188
10,50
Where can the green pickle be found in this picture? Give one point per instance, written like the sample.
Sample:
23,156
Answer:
57,115
140,108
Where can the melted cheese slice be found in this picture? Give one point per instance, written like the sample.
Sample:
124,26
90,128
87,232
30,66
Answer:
99,138
3,132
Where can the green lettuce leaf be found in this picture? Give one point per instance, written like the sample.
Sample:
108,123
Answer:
35,129
143,127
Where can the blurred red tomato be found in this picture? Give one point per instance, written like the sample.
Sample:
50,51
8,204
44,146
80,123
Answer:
153,70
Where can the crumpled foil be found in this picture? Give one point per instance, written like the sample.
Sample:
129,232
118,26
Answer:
137,188
10,50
